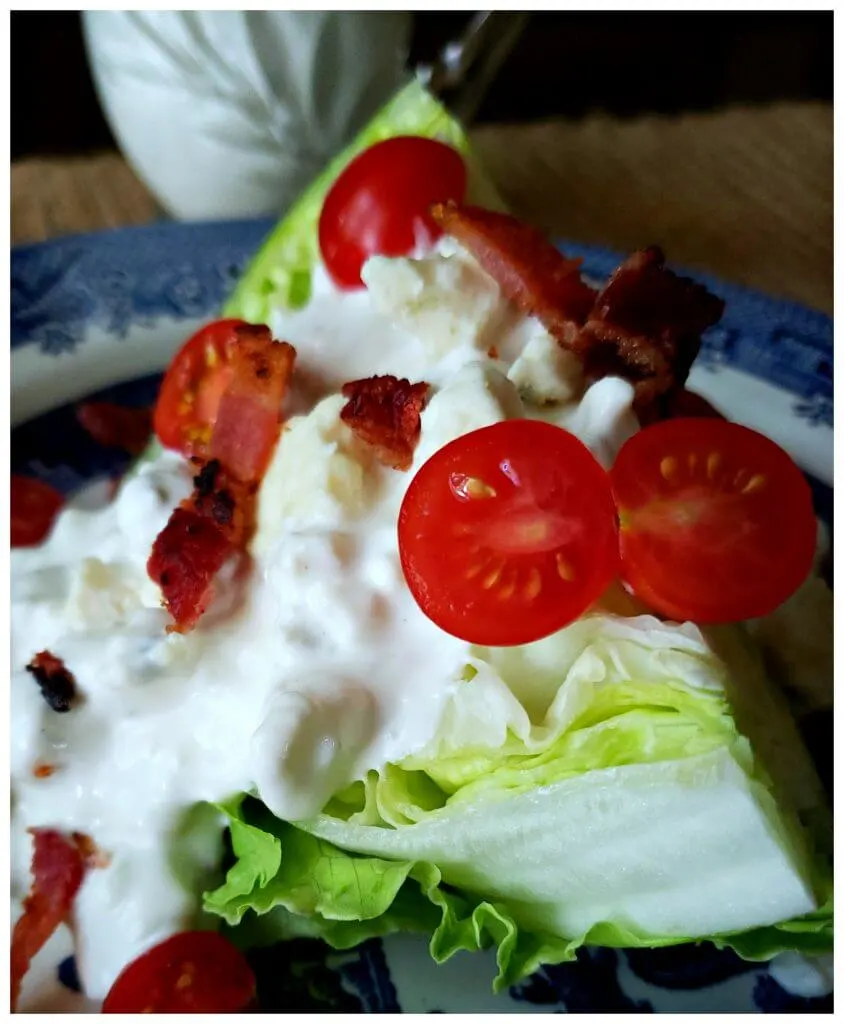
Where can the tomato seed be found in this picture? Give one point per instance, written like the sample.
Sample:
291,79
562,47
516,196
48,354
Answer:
564,570
668,467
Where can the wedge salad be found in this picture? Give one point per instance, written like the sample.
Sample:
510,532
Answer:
428,609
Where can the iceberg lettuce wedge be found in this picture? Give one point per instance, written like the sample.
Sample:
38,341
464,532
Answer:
612,799
617,784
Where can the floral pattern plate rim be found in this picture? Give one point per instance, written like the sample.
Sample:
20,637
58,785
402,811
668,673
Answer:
104,312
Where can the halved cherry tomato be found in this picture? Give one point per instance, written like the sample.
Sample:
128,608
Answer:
508,533
716,521
34,506
381,202
192,388
192,972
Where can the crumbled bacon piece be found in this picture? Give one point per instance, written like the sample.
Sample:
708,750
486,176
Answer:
385,412
246,428
58,868
226,502
205,480
531,272
680,402
203,533
93,855
646,326
677,403
217,521
186,557
116,426
58,685
208,528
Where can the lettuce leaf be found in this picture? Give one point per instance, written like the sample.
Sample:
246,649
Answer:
591,788
318,890
280,275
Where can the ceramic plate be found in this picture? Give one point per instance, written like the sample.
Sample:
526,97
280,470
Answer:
103,313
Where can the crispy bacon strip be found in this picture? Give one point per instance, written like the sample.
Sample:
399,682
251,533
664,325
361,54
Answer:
116,426
58,868
216,522
92,855
681,402
385,412
203,533
246,428
57,683
531,272
185,559
646,326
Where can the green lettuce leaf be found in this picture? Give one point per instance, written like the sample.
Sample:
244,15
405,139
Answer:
280,274
591,788
321,891
811,934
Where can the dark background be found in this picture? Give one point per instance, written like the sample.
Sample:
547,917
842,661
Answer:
565,65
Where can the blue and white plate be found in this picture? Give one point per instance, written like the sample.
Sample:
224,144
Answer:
104,313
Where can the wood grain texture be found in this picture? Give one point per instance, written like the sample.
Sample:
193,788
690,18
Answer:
746,193
53,197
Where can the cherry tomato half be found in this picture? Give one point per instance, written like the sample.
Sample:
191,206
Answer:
380,203
192,388
508,533
192,972
34,506
716,521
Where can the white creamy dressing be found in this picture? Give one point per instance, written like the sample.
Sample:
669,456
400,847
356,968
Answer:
315,669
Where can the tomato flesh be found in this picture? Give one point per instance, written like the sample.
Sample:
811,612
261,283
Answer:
380,203
192,972
717,522
193,387
508,533
34,507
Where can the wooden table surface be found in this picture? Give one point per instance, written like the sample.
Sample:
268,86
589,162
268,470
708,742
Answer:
746,193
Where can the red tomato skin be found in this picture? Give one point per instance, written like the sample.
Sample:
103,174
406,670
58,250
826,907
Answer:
742,552
184,413
191,972
526,561
34,506
380,203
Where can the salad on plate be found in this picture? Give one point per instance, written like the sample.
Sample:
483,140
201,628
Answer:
434,605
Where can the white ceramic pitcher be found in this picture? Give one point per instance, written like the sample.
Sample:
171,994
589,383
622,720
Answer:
230,114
